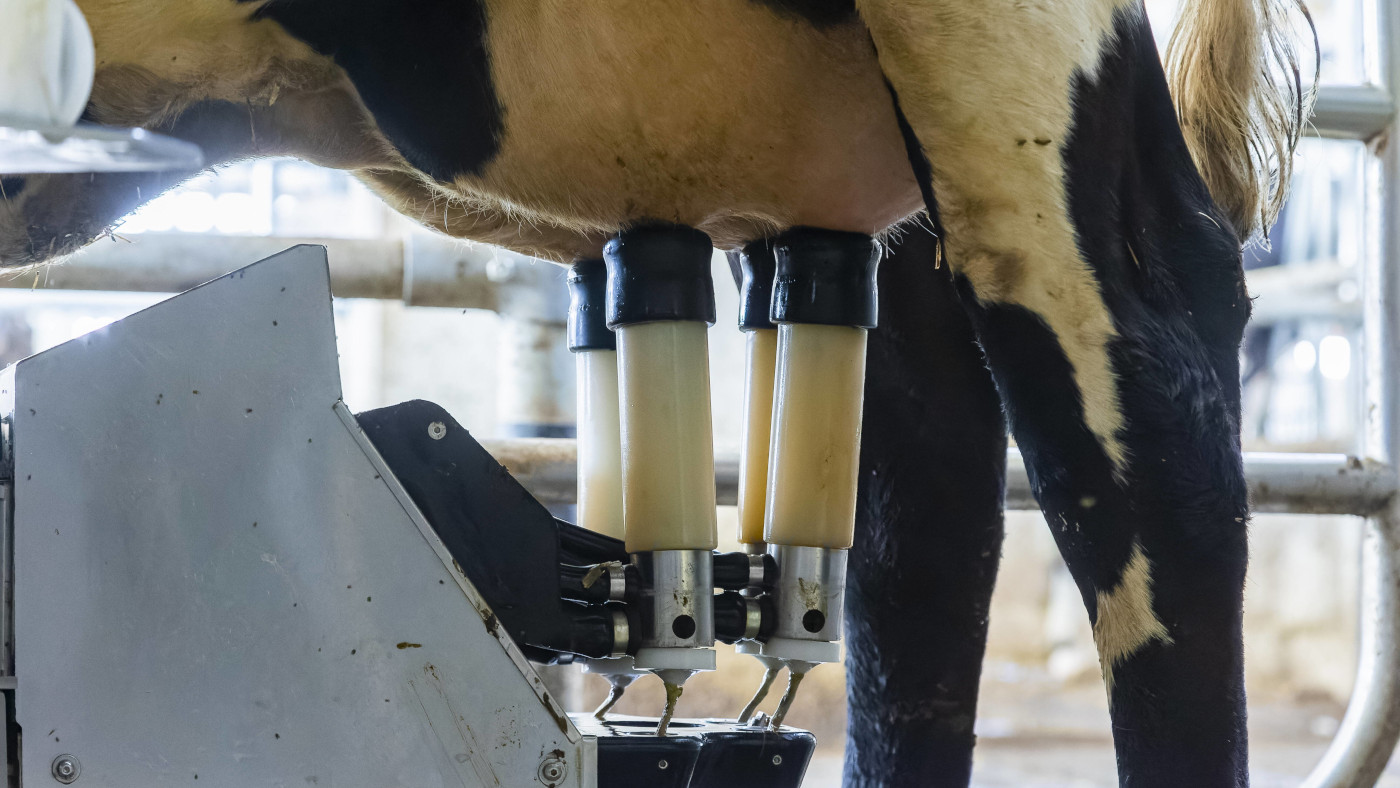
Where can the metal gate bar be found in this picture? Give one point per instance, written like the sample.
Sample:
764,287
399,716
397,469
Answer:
1368,733
1278,483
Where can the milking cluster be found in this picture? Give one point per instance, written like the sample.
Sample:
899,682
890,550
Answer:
638,325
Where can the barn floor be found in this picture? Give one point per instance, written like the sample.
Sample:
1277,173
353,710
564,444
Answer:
1033,731
1058,738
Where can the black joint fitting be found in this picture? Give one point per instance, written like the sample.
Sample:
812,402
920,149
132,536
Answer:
571,585
769,616
588,302
590,630
826,277
634,627
594,584
731,571
732,617
734,571
757,267
770,571
659,272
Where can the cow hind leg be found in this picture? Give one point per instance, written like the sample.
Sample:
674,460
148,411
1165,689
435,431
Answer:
928,533
1106,290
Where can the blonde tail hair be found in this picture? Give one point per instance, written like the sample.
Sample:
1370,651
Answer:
1234,74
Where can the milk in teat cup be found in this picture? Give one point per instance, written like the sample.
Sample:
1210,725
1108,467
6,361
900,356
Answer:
46,63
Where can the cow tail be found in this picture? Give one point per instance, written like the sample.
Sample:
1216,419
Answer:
1235,76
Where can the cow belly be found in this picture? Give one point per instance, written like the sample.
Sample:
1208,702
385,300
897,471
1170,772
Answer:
721,115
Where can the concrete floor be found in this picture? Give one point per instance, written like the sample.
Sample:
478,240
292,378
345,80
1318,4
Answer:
1034,731
1041,737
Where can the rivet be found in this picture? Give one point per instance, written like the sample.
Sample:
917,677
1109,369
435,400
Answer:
552,770
66,769
437,430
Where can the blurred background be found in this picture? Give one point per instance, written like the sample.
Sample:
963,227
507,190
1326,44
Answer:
502,370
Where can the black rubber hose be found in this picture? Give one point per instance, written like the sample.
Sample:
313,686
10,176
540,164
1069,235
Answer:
581,546
575,582
572,585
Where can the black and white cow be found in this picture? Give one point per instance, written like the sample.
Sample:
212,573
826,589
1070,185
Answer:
1091,227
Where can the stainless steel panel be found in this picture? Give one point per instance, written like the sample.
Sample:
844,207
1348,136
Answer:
215,576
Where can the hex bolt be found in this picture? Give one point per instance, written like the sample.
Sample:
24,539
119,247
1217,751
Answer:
552,770
66,769
437,430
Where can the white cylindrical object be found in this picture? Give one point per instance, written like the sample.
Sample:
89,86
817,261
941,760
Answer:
761,359
534,379
599,443
814,456
668,462
46,63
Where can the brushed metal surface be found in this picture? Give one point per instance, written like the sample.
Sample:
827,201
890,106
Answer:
215,576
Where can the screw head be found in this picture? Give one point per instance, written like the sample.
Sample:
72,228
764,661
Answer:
552,770
437,430
777,760
662,764
66,769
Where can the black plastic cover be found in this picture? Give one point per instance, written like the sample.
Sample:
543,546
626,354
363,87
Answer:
588,307
659,272
503,540
757,266
696,754
825,277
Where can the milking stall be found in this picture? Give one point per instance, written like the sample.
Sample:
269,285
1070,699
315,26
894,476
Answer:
763,393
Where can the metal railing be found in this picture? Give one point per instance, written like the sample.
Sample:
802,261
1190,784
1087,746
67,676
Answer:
1369,730
1278,483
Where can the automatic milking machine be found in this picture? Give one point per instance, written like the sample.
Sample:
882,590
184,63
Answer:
218,572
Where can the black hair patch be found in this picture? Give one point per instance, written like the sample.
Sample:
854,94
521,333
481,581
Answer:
11,186
422,68
818,13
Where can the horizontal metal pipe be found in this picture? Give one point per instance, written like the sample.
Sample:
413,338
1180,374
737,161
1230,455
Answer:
1293,292
175,262
1278,483
420,270
1352,112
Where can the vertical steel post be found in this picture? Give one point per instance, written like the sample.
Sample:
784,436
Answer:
1368,733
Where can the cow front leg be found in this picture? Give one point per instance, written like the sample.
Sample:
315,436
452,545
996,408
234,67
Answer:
1106,290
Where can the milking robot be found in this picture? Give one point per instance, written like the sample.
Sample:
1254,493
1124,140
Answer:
218,572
